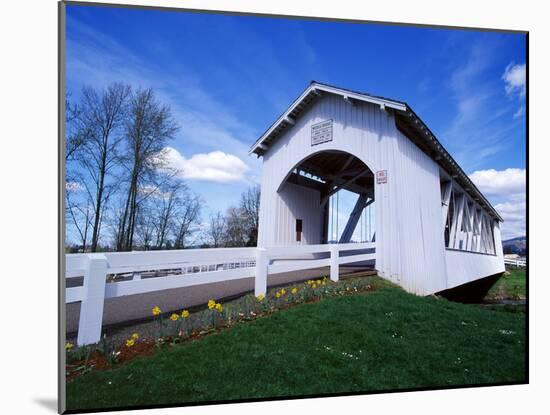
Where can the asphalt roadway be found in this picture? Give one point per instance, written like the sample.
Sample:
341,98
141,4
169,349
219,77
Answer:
134,308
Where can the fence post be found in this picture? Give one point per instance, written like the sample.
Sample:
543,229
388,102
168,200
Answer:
334,262
91,307
260,279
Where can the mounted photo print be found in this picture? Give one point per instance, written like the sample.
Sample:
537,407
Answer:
268,207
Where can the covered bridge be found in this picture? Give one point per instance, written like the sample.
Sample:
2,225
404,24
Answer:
433,229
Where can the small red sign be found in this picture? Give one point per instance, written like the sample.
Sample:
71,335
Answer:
381,176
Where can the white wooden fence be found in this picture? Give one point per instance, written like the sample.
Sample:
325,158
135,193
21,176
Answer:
521,263
116,274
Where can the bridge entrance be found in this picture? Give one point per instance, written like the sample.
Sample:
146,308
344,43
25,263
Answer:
330,197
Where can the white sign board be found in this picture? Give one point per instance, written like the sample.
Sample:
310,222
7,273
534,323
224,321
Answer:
321,132
381,176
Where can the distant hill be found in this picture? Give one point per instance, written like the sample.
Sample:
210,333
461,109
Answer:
515,246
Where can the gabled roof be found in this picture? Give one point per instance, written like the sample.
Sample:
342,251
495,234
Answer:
406,119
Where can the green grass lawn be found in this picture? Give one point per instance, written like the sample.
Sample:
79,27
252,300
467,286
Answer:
510,286
380,340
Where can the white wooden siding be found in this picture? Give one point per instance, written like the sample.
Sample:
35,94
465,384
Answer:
297,202
464,267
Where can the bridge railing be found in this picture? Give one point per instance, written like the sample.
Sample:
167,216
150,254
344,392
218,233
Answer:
117,274
520,263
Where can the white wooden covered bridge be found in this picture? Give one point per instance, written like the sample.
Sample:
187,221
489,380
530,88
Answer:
418,219
433,229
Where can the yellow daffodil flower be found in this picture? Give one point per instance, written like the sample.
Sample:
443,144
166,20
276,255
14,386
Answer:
219,307
130,342
211,304
174,317
135,336
294,290
185,313
156,310
69,346
260,297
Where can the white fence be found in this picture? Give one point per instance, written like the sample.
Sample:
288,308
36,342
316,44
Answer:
521,263
116,274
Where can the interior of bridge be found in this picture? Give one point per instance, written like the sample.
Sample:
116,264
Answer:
346,187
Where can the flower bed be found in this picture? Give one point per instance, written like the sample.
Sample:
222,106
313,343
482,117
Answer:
184,326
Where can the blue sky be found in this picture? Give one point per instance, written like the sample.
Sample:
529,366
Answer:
227,78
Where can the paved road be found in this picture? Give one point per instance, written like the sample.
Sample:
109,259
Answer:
136,307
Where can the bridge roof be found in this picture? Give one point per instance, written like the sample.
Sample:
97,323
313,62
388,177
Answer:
407,121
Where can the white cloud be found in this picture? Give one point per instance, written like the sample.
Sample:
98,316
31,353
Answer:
73,186
504,183
509,187
215,166
514,79
513,214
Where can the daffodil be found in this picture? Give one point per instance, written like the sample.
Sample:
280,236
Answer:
314,286
69,346
277,294
156,310
130,342
283,292
260,297
219,307
294,290
135,336
211,304
174,317
185,313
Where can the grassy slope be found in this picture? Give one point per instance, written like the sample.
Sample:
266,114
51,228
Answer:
509,286
391,339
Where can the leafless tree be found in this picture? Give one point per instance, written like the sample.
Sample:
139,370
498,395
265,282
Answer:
236,231
250,207
100,121
81,215
145,227
216,230
187,216
75,135
148,128
165,208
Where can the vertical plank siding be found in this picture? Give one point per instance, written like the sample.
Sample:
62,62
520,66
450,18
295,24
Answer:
410,245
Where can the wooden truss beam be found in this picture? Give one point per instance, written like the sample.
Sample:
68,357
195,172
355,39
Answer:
362,202
341,186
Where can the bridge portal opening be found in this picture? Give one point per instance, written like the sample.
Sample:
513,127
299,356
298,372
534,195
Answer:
330,197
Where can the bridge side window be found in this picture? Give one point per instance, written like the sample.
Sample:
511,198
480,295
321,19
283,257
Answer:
467,226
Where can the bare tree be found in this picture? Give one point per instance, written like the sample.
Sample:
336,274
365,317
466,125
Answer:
148,127
145,227
187,215
236,231
100,118
81,215
250,207
75,135
216,230
165,207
